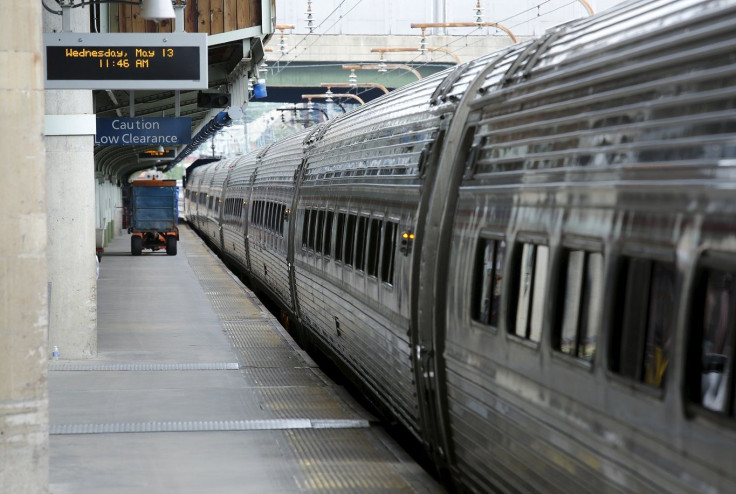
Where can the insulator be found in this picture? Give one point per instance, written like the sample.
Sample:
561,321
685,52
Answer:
478,14
310,17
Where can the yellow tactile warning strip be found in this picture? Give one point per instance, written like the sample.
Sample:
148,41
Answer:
343,460
260,346
332,456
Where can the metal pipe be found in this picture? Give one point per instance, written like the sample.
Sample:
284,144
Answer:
359,84
336,95
426,25
389,66
398,49
587,6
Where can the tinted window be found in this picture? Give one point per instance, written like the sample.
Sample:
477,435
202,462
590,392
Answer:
645,315
319,231
374,239
312,229
710,361
328,233
389,248
339,236
488,274
360,238
305,228
350,238
526,316
579,303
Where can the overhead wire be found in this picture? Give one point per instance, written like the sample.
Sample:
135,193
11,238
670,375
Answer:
280,69
55,12
481,39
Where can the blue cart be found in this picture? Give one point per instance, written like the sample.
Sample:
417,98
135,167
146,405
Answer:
154,214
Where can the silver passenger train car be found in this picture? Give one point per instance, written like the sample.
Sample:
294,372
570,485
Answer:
529,259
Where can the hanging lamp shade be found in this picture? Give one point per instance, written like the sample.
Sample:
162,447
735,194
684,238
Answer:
157,10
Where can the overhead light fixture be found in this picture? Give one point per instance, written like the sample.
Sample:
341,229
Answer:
157,10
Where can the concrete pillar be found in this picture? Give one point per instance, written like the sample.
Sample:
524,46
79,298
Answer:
70,200
23,395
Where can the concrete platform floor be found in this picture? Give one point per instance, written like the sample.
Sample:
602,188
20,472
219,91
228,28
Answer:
197,389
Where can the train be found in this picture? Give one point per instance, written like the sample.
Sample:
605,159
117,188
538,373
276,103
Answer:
526,260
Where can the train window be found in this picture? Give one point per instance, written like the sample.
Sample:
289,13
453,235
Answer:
389,248
487,281
645,311
581,285
305,229
320,231
328,232
360,242
310,230
280,218
374,240
710,360
349,239
526,316
339,234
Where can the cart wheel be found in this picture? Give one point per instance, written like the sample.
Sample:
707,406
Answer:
171,245
136,245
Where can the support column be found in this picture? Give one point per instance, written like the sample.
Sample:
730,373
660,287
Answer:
70,201
24,459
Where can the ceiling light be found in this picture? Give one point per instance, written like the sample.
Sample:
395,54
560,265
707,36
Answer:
157,10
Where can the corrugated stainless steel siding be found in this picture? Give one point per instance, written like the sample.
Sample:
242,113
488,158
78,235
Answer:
274,182
622,112
379,143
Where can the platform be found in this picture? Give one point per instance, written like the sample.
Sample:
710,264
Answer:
197,388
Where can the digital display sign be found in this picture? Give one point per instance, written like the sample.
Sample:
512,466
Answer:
125,61
155,154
